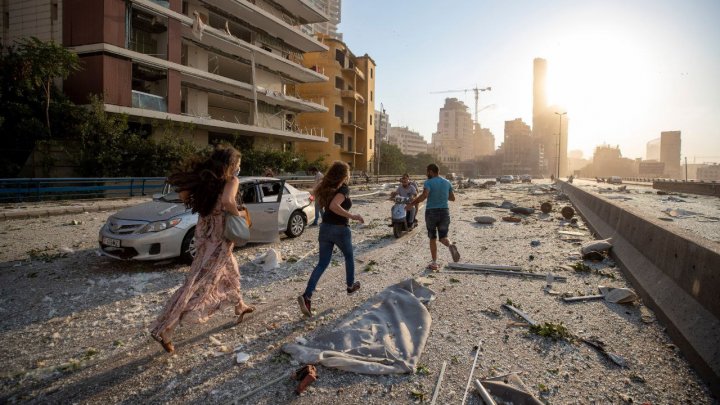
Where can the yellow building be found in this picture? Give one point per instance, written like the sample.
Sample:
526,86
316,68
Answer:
349,96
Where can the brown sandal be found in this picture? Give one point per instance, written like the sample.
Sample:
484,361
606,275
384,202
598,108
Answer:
167,345
248,310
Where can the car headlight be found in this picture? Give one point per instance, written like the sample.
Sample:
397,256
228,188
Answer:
160,225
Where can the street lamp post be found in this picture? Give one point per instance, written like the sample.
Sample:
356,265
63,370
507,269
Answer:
560,115
378,142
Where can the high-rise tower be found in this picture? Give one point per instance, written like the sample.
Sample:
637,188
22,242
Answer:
550,129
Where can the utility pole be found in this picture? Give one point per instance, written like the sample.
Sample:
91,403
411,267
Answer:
560,115
686,169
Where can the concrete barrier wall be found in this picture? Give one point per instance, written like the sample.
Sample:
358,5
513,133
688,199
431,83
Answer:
677,275
690,187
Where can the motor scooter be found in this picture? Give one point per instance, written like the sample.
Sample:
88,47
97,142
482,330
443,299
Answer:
400,216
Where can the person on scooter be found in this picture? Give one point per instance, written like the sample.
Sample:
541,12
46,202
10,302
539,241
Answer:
406,189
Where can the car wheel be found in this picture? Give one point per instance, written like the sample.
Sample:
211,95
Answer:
188,249
296,225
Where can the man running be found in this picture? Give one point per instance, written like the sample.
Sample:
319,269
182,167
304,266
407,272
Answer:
438,191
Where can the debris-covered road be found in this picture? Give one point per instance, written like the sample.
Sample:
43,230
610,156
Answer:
74,325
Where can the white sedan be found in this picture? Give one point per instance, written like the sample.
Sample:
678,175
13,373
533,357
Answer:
164,228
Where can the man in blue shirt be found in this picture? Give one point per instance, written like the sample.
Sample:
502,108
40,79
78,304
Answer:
438,191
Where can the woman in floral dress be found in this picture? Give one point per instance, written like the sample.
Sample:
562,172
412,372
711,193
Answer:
208,185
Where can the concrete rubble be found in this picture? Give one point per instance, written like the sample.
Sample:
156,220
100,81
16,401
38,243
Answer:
74,326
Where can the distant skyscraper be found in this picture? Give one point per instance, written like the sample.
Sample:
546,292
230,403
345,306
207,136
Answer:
330,28
540,106
382,126
670,152
546,124
653,150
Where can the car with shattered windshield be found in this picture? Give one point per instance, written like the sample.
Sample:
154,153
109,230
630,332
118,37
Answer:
164,228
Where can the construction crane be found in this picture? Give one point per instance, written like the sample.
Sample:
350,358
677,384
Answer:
476,90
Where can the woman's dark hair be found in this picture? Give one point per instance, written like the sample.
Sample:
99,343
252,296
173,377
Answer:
203,177
336,175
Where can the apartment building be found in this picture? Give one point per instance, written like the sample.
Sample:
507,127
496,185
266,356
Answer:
520,151
670,142
332,8
206,69
453,141
409,142
350,97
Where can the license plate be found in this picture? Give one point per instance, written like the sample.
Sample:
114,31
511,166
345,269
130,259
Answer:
111,242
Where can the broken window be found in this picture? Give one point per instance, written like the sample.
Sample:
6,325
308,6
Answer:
339,83
340,57
149,87
147,32
339,111
339,139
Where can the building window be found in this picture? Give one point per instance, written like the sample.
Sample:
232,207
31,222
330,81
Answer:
371,95
149,88
147,33
371,144
339,139
339,111
340,57
371,73
350,144
371,119
339,84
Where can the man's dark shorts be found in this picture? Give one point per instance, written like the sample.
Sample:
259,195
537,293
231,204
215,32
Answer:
437,221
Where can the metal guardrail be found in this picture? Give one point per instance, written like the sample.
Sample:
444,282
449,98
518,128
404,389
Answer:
73,188
42,189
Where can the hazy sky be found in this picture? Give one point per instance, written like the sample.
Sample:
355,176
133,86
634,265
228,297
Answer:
624,70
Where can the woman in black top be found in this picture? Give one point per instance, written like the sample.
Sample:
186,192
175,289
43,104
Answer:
333,194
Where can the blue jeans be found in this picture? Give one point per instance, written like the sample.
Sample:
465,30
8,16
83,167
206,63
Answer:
410,217
437,221
330,236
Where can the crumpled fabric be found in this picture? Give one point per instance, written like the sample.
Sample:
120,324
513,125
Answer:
385,335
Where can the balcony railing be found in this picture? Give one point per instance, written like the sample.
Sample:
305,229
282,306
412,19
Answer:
352,124
353,95
148,101
354,70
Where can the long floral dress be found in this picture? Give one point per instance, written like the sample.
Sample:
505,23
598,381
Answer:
213,282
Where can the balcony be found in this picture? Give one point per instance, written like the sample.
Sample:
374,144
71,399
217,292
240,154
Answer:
354,70
265,21
352,124
352,94
219,40
305,11
148,101
353,152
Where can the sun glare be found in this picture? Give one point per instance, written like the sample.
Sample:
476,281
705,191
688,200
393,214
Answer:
601,75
